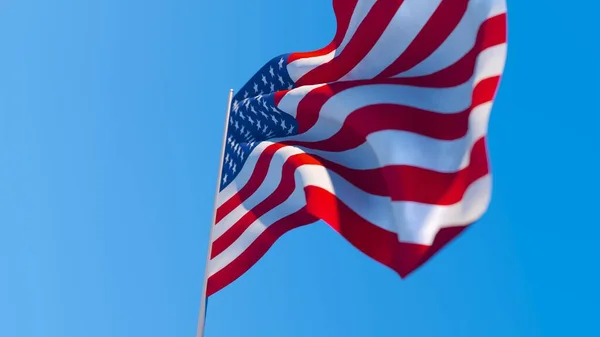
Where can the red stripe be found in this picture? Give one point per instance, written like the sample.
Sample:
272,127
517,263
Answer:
258,176
491,33
409,183
278,95
343,10
365,37
307,112
257,250
399,182
439,26
364,121
377,243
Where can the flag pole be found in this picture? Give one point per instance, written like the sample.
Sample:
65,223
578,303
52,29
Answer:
203,299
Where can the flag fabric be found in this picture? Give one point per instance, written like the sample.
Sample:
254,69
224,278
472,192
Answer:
381,134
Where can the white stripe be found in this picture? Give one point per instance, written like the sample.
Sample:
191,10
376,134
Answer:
362,9
419,223
400,32
396,147
413,222
244,175
490,62
461,40
301,67
289,102
334,112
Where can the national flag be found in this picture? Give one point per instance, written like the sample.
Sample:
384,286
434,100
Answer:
381,134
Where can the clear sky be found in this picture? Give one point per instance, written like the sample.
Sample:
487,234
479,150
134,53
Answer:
111,114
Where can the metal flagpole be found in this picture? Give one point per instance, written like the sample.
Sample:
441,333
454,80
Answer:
202,314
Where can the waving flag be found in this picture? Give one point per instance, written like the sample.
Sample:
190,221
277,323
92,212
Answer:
381,134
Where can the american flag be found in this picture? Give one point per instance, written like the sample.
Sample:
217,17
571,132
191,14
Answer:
381,135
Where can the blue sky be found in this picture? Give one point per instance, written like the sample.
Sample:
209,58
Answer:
110,125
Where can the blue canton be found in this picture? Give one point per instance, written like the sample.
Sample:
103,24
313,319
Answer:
255,118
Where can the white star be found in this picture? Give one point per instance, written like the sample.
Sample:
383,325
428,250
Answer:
242,129
236,125
255,87
272,87
283,124
274,119
229,139
264,104
280,79
290,86
274,110
259,97
234,168
290,130
245,94
230,120
264,114
258,124
227,157
242,116
225,179
271,71
247,103
281,63
264,79
252,110
265,128
250,120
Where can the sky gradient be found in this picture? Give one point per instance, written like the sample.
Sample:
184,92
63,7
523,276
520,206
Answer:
111,118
